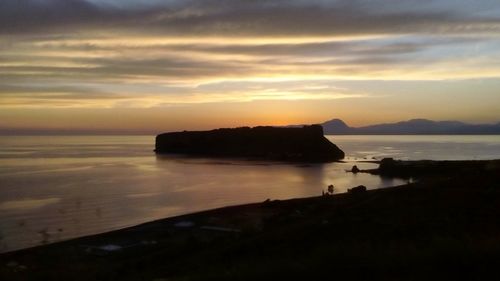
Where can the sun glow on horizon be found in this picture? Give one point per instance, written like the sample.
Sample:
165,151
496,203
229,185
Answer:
322,64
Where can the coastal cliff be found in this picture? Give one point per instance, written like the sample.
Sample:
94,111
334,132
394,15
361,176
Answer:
306,144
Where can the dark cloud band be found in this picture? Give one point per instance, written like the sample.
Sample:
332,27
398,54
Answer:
241,17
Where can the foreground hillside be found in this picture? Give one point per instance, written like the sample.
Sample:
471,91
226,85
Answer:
446,227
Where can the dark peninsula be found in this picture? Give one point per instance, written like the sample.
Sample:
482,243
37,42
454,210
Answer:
305,144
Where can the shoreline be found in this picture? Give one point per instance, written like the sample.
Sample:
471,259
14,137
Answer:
432,216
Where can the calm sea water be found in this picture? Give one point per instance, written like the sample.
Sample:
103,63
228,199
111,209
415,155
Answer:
56,188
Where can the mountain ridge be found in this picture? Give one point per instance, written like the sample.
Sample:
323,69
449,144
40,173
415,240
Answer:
419,126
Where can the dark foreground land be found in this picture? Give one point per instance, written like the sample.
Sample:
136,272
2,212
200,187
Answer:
444,227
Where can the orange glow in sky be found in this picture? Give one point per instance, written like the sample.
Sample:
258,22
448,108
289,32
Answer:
154,66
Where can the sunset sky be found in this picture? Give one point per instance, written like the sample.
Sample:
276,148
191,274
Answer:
152,65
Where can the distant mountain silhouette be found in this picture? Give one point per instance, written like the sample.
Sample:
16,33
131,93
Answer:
412,127
338,126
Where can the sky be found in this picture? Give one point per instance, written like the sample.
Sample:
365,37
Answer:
152,66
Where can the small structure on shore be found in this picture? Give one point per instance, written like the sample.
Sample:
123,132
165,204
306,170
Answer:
329,191
355,169
357,189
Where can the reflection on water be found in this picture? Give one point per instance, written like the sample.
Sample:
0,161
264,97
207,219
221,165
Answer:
439,147
54,188
26,204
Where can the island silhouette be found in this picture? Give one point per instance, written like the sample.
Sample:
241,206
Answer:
300,144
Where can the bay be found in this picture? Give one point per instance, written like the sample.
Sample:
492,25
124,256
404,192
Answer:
54,188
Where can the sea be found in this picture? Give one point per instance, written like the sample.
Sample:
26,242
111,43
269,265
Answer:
54,188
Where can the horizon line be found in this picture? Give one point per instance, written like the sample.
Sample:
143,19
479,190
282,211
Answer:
122,132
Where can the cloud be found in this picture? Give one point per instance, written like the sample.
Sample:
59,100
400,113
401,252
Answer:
243,18
107,53
157,96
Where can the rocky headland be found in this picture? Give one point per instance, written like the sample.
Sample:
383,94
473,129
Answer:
305,144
